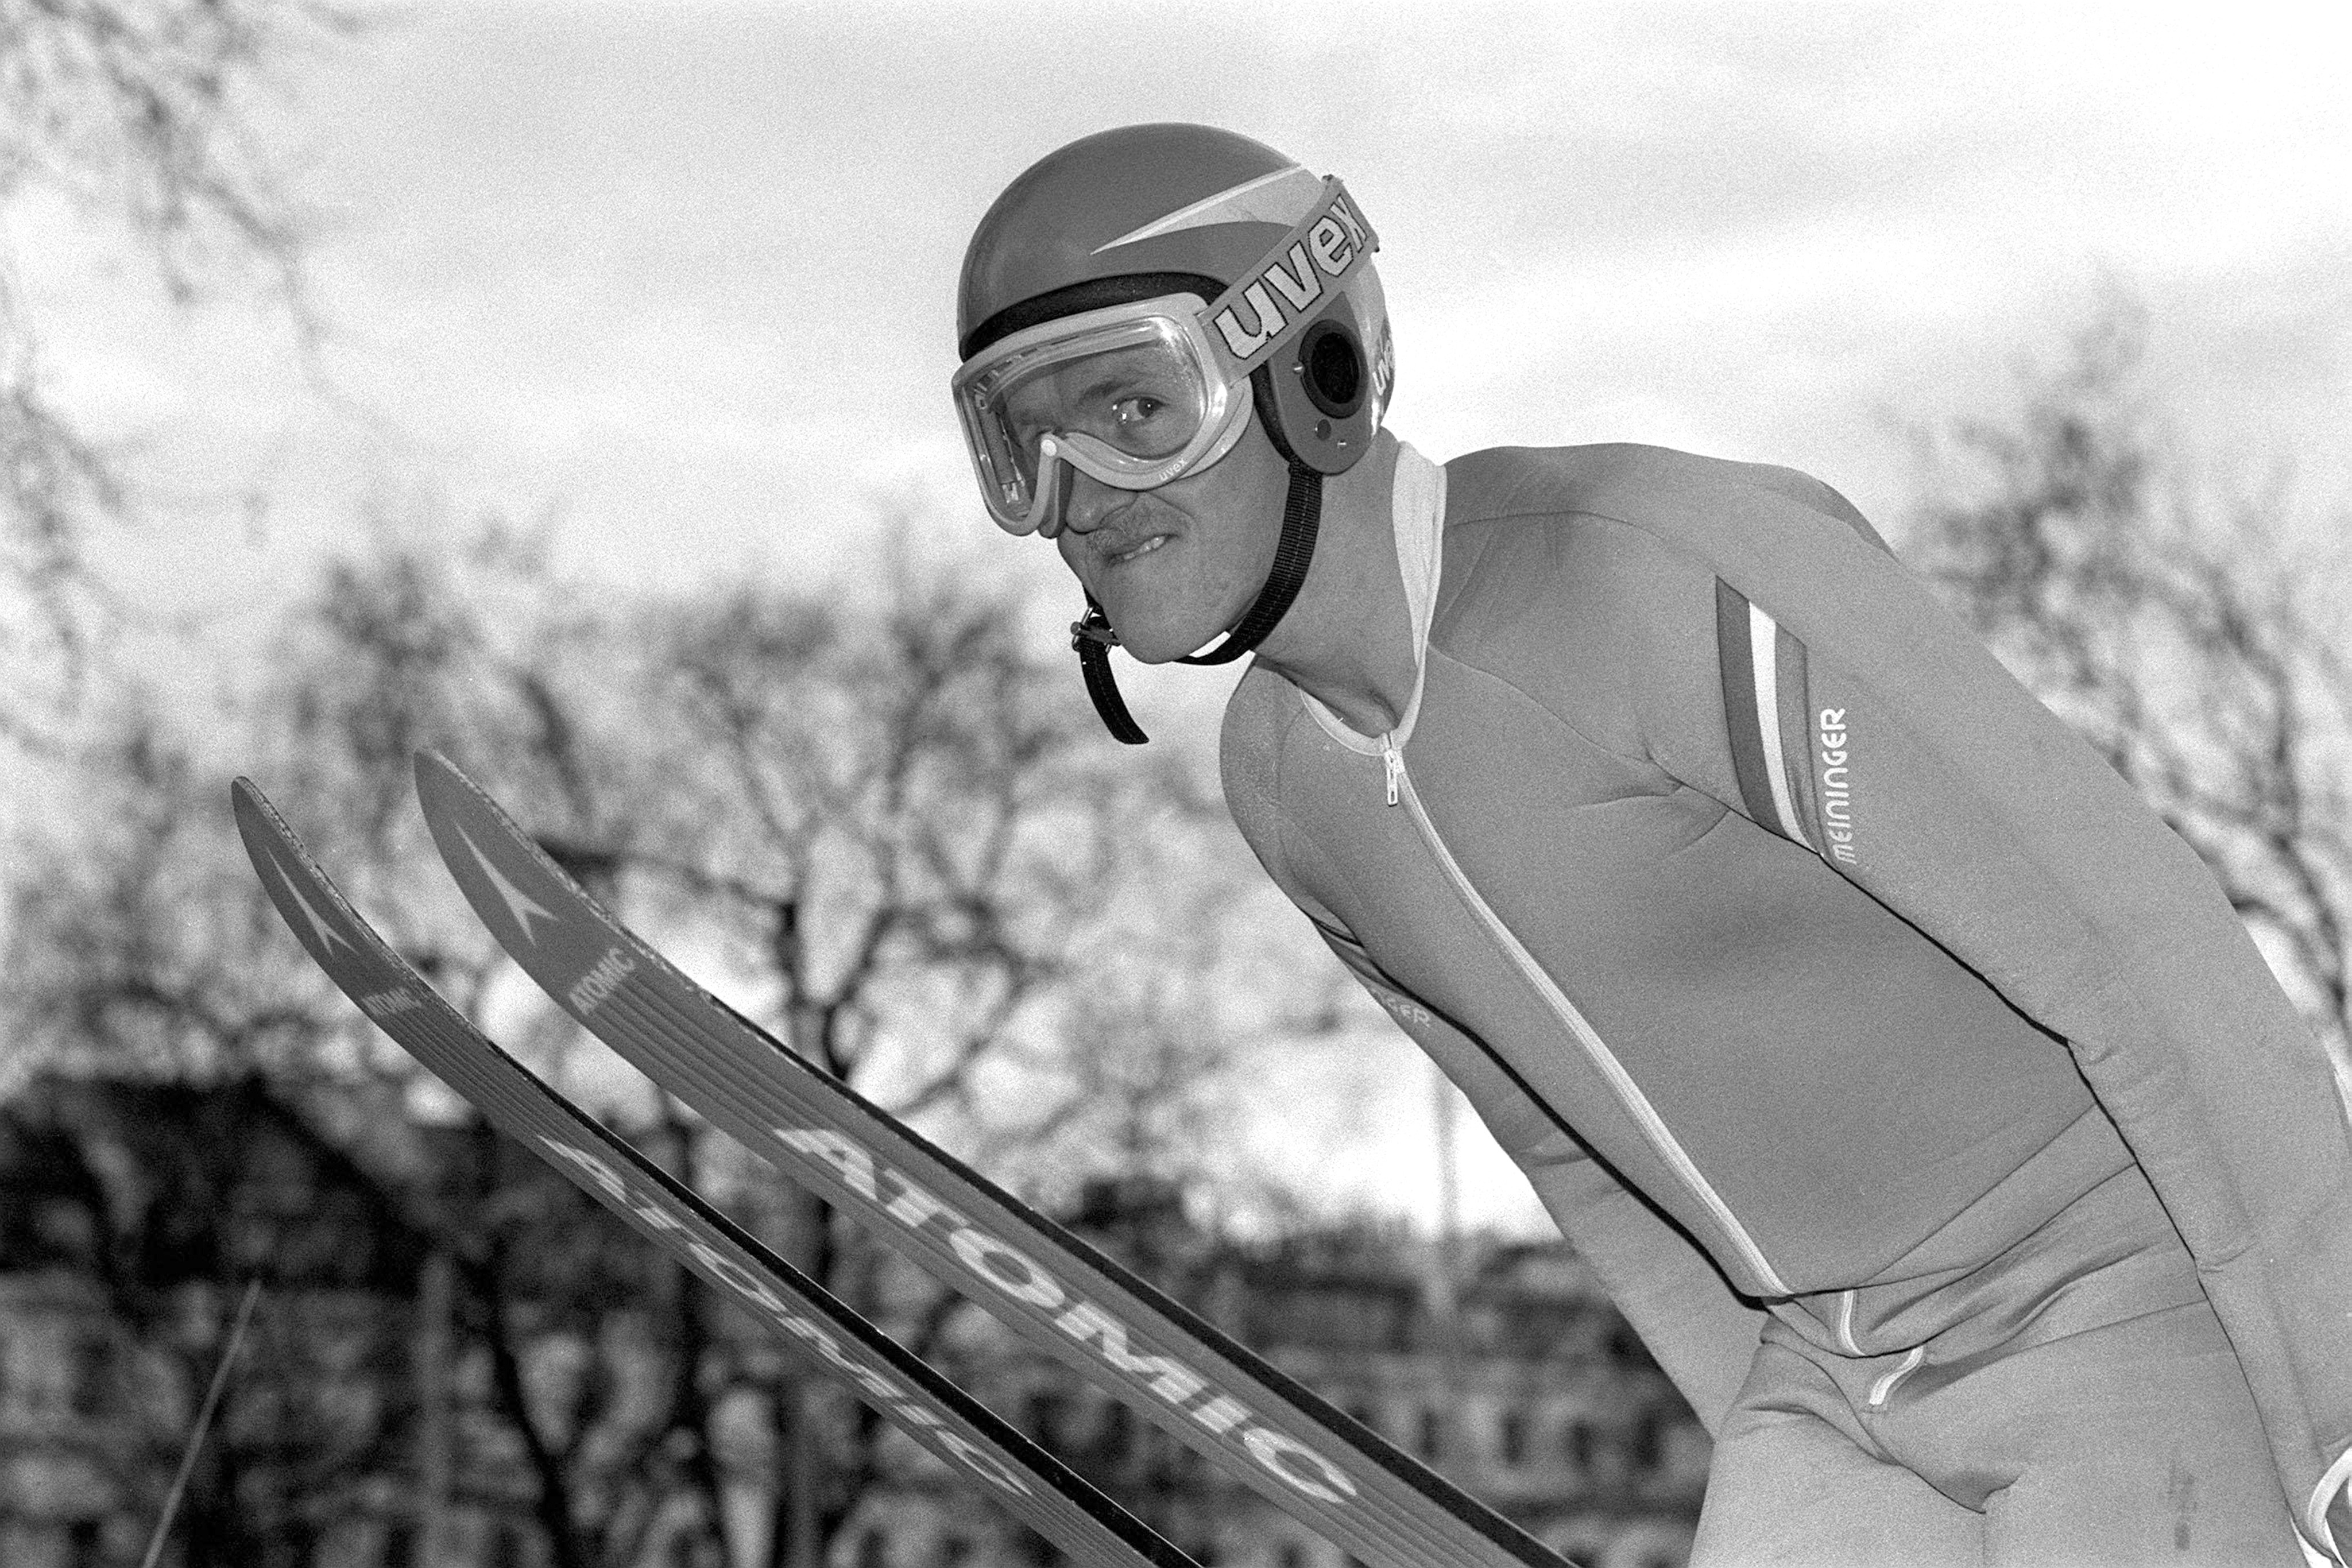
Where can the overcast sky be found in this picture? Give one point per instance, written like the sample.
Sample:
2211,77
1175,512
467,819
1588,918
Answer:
681,274
685,271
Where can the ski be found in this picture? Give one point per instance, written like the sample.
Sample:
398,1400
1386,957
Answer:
955,1427
1252,1421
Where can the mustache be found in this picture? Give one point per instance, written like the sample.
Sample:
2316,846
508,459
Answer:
1123,527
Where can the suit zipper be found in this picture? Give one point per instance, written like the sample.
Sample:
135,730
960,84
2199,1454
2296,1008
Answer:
1845,1324
1629,1093
1884,1389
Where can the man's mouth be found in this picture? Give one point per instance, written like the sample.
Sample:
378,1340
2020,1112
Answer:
1146,547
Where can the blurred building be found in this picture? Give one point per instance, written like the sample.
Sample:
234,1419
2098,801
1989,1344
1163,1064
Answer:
362,1432
127,1214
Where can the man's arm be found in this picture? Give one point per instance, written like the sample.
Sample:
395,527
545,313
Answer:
1701,1333
1807,680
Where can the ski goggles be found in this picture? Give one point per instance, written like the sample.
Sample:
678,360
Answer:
1139,395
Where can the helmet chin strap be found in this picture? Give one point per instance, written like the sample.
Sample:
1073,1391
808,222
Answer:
1092,636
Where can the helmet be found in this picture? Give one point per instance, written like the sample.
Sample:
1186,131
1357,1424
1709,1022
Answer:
1251,264
1113,303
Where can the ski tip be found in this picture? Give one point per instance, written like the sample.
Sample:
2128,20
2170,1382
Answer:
455,804
257,816
443,788
432,768
252,810
267,837
276,853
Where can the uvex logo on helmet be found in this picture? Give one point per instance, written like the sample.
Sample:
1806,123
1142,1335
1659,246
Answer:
1334,242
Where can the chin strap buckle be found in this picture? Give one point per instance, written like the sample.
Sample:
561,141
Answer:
1093,627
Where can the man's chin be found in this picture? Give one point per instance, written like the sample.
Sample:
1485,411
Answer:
1152,644
1150,650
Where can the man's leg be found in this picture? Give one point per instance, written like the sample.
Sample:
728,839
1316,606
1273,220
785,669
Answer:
2133,1444
1792,1488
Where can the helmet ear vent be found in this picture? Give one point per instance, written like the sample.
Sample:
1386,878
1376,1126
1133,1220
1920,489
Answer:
1331,368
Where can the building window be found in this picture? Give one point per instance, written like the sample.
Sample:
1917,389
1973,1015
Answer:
400,1546
85,1544
1513,1436
1649,1441
1432,1433
1580,1445
92,1373
508,1544
1047,1414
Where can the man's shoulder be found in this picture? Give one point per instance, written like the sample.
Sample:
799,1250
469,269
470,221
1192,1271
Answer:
1556,561
1681,498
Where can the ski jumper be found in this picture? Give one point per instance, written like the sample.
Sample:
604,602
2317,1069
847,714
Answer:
1914,1089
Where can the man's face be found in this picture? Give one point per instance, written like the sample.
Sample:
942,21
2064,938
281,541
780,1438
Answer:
1173,566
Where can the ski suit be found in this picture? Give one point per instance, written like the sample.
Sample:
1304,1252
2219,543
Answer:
1914,1089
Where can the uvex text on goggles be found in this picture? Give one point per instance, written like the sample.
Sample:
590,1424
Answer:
1141,394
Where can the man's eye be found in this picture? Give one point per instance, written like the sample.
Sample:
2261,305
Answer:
1136,409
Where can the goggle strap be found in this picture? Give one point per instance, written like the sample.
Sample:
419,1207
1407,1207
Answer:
1092,639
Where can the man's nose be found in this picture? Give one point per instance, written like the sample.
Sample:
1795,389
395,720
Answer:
1087,501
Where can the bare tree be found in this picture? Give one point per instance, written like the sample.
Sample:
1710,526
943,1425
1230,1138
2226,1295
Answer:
2198,644
139,114
926,870
886,830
